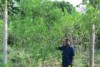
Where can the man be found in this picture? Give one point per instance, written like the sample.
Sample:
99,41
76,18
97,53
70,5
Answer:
67,53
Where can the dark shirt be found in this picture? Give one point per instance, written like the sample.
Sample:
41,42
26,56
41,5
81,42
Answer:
67,54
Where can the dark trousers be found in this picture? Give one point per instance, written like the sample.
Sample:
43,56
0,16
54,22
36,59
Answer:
65,65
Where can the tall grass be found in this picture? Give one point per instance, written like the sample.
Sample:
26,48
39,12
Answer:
22,57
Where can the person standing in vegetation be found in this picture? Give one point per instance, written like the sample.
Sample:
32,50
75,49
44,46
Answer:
67,53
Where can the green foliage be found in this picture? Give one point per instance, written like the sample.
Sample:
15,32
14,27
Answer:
1,28
95,3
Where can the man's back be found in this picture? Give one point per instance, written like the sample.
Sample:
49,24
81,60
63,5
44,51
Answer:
67,54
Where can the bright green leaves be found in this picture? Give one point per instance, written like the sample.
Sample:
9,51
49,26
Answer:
95,4
1,23
1,30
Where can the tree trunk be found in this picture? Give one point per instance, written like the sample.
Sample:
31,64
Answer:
5,34
92,42
40,62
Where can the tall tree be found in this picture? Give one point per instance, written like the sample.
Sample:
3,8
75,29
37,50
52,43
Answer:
5,33
64,5
94,3
92,42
